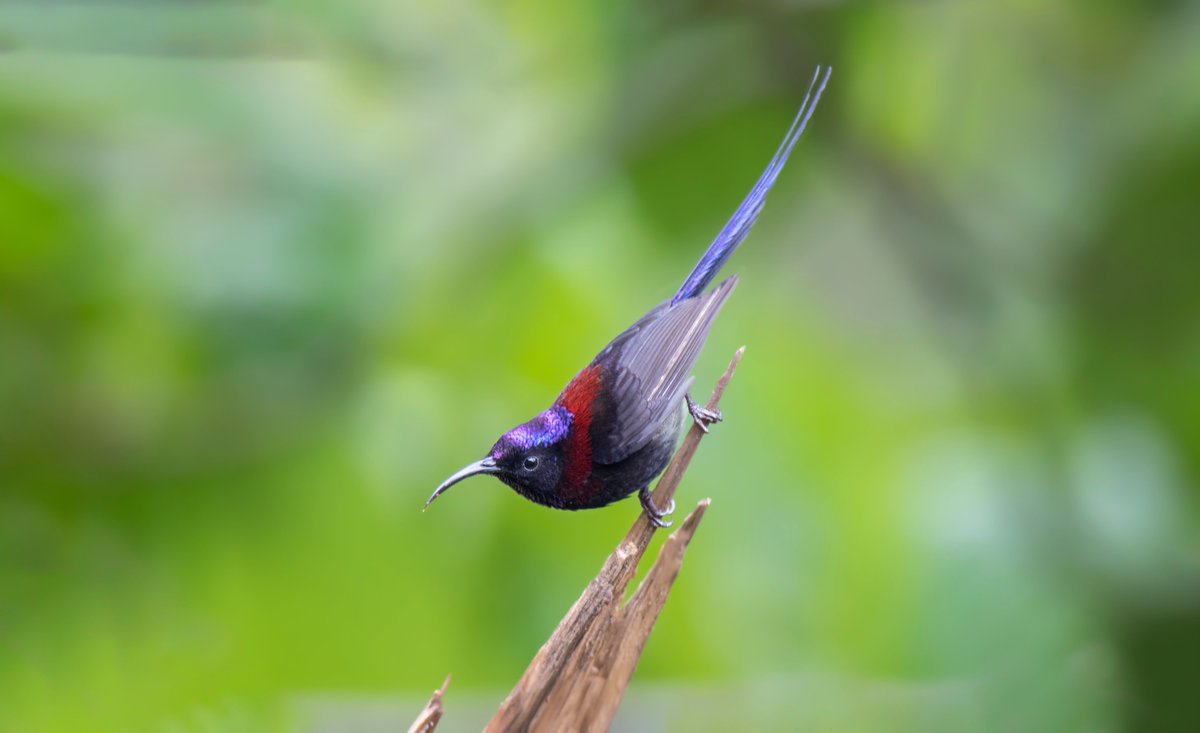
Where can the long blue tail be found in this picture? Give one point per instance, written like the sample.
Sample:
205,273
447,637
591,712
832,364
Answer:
742,221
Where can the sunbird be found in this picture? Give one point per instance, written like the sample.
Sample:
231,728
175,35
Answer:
616,424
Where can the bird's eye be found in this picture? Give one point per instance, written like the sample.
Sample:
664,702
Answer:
531,462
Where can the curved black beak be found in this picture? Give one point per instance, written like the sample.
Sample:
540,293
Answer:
487,465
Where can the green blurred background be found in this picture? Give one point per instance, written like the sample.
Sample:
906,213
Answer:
270,271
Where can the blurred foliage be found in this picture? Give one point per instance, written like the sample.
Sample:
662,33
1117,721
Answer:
270,271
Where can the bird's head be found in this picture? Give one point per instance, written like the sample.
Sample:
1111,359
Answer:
529,458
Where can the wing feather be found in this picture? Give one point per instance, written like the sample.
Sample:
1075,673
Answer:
647,370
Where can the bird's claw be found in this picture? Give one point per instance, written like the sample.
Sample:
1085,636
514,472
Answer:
702,415
659,521
652,513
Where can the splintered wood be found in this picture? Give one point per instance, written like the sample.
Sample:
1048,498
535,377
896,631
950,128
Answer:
578,678
427,721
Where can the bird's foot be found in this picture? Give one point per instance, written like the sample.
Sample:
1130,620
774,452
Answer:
656,517
702,415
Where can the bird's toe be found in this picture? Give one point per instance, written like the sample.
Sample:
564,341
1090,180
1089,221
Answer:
652,512
702,415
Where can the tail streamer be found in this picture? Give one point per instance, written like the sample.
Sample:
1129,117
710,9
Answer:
742,221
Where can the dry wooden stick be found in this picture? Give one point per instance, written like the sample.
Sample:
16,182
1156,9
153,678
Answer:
587,696
432,714
578,678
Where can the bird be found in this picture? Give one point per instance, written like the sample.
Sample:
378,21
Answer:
615,426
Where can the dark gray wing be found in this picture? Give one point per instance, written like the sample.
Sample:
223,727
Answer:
647,370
